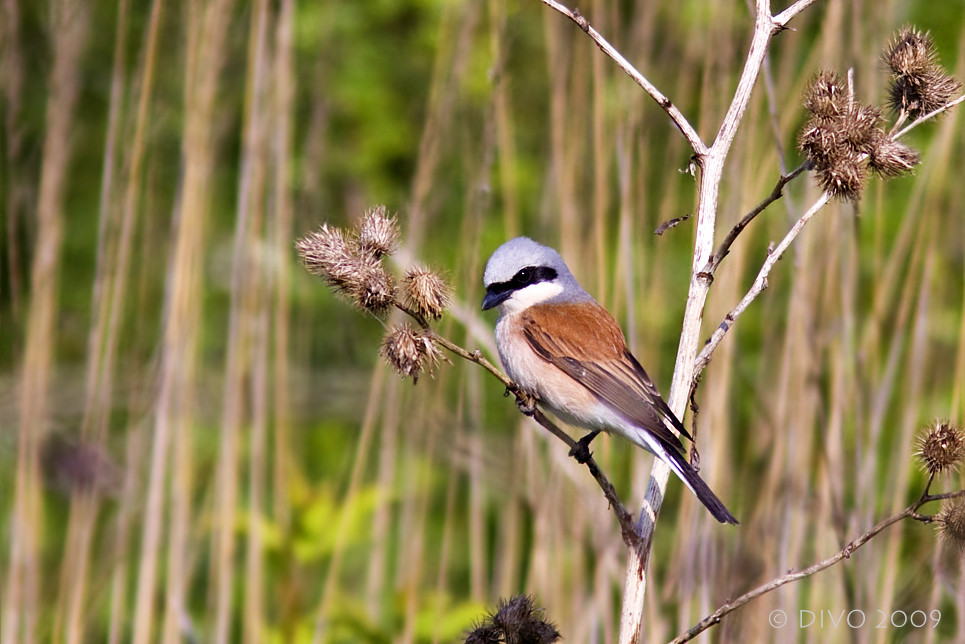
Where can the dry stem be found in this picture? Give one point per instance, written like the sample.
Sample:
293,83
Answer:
911,512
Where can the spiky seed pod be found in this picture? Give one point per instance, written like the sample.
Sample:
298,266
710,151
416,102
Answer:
485,634
860,128
409,351
426,292
920,95
834,145
942,447
401,349
919,85
937,90
819,142
910,52
824,96
378,233
891,158
327,254
844,178
372,288
520,621
951,523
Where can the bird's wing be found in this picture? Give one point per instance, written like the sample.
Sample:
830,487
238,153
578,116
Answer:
585,342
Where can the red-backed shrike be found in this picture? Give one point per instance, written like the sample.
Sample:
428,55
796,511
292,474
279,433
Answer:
561,346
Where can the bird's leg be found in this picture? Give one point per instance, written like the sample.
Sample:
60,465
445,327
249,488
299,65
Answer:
581,451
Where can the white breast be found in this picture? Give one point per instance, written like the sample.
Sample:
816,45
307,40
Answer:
562,395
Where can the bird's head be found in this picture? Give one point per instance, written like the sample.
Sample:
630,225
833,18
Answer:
522,273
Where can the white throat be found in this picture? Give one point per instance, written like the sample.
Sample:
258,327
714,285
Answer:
527,297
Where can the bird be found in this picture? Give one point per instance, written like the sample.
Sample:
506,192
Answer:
562,347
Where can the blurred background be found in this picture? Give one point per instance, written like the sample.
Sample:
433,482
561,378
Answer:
197,439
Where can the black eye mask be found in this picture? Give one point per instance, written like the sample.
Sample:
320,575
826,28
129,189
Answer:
499,292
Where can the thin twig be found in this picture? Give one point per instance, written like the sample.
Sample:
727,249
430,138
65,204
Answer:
785,16
911,512
930,115
728,241
699,147
760,283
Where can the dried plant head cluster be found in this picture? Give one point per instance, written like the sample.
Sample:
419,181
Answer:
351,270
517,621
941,447
351,264
843,139
919,84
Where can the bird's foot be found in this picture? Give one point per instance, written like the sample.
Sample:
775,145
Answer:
581,451
526,402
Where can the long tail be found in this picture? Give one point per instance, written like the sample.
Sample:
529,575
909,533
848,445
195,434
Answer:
687,474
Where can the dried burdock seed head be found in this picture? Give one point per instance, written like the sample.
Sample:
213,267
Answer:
937,90
844,178
921,95
919,84
891,158
951,523
378,233
409,351
910,52
327,254
356,275
426,292
941,447
372,287
401,348
485,634
820,143
859,128
825,97
521,621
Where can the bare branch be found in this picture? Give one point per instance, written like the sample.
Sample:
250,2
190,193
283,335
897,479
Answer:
785,16
675,114
911,512
760,283
728,241
947,106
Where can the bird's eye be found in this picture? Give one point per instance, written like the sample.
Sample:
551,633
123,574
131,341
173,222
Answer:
524,276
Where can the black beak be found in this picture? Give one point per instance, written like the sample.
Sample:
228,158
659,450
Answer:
495,298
